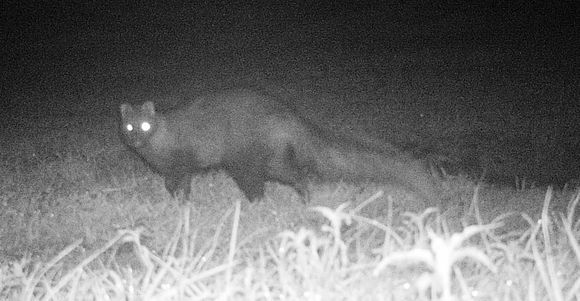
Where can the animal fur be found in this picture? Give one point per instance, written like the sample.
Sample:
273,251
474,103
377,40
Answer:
256,139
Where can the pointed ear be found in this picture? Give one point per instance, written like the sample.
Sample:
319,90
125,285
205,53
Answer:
126,109
148,108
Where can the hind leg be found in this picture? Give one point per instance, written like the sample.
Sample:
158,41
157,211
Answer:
250,182
248,171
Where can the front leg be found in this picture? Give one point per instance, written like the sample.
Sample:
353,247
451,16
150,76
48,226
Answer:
177,184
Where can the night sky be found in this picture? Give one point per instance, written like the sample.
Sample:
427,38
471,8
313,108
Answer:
72,60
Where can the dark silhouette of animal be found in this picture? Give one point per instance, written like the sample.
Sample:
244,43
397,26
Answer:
256,139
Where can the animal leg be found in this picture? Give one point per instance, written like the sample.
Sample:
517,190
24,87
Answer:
179,183
284,167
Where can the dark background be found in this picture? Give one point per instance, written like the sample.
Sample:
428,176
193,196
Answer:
77,60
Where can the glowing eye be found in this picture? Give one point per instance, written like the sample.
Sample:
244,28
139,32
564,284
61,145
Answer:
145,126
129,127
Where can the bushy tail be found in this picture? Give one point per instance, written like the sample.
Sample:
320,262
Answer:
359,163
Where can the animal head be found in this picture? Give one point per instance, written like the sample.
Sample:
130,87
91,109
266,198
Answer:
138,123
